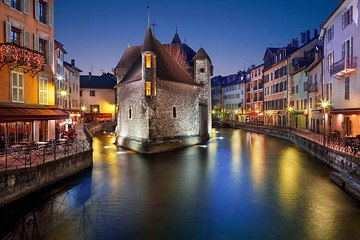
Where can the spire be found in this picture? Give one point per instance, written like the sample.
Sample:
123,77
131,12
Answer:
148,41
148,10
176,39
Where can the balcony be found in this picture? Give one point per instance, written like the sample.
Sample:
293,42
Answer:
344,66
16,56
312,87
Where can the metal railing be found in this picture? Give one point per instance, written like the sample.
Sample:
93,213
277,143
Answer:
343,64
26,156
347,146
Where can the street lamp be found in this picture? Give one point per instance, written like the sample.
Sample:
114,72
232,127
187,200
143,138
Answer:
324,105
290,110
63,94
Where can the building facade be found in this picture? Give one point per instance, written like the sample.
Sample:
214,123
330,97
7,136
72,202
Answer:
98,97
27,99
164,96
59,78
255,111
72,88
341,35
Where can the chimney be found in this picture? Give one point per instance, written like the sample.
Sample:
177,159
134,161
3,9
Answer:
302,38
294,43
73,62
307,36
316,34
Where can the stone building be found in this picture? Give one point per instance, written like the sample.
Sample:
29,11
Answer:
164,96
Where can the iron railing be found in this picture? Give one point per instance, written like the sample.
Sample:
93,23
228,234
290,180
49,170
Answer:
343,64
26,156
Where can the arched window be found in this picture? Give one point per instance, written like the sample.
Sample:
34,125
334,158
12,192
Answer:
174,112
129,112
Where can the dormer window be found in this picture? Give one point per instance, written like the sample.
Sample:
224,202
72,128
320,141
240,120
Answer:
148,60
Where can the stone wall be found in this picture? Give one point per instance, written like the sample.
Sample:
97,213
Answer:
15,184
183,98
132,95
204,93
336,160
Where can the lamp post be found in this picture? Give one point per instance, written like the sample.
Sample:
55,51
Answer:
324,105
63,94
290,110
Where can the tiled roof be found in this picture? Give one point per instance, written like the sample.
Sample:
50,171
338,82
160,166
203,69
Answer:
129,57
201,54
107,80
166,68
66,64
176,39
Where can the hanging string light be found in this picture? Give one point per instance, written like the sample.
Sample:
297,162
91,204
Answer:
12,53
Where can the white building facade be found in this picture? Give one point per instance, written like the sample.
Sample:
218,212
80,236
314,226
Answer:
341,35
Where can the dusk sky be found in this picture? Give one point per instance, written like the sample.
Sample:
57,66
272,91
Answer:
235,33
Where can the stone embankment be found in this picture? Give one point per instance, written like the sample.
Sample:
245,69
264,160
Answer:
68,159
346,166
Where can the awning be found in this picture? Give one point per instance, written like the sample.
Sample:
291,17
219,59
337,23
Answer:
97,115
349,111
252,114
12,114
298,112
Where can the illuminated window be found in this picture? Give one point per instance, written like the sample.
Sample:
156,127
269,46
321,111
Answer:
148,88
148,60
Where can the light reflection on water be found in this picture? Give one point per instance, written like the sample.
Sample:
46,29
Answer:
240,186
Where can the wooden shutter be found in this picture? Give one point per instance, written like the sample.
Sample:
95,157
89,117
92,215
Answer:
14,85
26,38
343,20
343,51
22,40
26,7
21,87
7,32
50,53
49,15
351,52
7,2
36,9
36,42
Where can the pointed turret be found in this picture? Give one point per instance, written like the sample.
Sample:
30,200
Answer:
148,41
176,39
201,54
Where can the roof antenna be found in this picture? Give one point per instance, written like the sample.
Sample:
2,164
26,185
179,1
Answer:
153,26
148,9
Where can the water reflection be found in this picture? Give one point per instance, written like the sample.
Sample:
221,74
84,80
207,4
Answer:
239,185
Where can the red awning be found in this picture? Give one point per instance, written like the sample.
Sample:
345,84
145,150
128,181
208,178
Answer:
97,115
12,114
252,114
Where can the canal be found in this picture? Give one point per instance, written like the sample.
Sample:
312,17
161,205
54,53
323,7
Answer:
239,185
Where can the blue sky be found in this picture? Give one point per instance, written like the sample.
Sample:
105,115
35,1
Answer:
235,33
